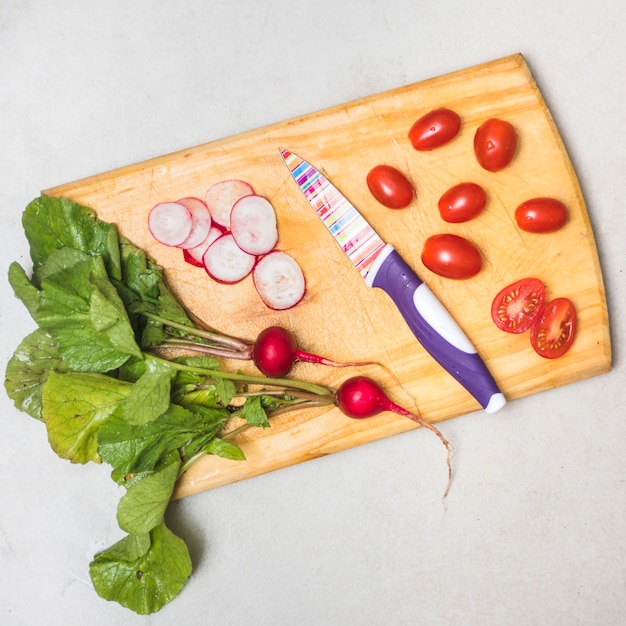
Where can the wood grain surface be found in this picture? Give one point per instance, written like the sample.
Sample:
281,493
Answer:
340,317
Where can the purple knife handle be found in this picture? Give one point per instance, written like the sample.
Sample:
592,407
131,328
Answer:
434,327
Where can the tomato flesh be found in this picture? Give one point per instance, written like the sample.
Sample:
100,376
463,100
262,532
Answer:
451,256
552,333
462,202
516,307
434,129
495,144
390,186
541,215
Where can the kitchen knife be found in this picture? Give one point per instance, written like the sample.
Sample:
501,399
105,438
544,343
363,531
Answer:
381,266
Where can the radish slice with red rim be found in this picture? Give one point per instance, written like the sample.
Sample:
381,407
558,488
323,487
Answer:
279,280
200,222
221,197
170,223
253,224
226,262
191,260
194,255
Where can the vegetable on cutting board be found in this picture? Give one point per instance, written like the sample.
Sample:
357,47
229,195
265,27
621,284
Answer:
230,235
390,186
521,306
541,215
451,256
221,197
275,351
361,397
92,372
495,144
435,129
462,203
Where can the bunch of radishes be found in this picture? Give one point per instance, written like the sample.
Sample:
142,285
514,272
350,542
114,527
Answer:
231,234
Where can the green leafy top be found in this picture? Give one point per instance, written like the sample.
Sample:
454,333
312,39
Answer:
87,372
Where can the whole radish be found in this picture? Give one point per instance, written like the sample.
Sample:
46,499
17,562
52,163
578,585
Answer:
361,397
275,351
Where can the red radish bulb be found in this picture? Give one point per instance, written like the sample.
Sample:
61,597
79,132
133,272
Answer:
221,197
279,280
361,397
226,262
170,223
253,224
200,222
276,350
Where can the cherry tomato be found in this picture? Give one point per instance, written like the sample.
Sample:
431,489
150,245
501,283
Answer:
435,129
462,202
552,333
390,186
451,256
517,306
541,215
495,144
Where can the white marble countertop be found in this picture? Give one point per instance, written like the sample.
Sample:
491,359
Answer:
534,531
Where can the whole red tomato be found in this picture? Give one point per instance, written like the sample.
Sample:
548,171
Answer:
462,202
552,333
434,129
451,256
541,215
495,144
390,186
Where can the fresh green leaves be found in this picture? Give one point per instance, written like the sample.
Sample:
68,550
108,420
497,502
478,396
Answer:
54,223
28,370
82,312
75,405
142,572
100,303
150,395
133,449
143,506
147,568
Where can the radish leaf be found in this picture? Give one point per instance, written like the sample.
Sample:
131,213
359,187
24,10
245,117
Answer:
74,406
28,370
142,581
143,505
54,223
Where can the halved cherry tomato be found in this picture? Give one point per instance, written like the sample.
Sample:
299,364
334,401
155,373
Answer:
435,129
517,306
552,333
390,186
462,202
541,215
495,144
451,256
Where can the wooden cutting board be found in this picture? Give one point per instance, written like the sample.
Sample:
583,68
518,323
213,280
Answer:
340,317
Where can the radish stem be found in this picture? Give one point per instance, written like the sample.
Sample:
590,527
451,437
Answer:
317,390
238,345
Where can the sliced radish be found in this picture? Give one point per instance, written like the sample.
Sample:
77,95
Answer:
194,255
170,223
226,262
279,280
221,197
191,260
201,221
253,224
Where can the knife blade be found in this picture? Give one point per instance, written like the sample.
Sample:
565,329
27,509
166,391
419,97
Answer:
382,266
